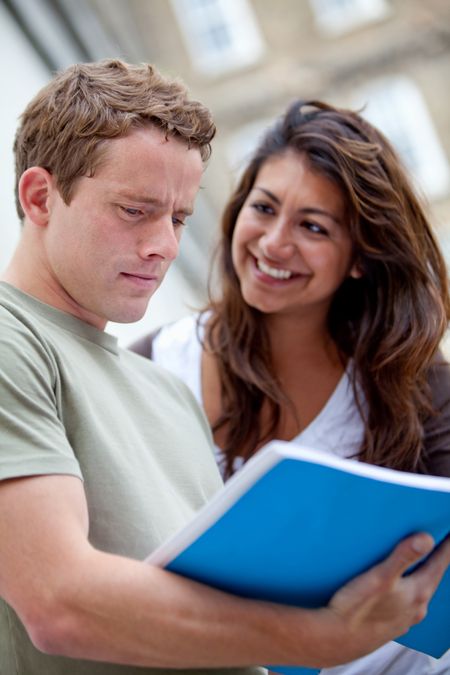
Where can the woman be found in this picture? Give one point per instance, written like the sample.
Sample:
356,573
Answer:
333,304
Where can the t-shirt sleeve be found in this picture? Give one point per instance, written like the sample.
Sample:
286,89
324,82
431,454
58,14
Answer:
32,435
437,426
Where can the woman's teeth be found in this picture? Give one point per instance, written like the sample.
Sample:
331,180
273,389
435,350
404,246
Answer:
274,272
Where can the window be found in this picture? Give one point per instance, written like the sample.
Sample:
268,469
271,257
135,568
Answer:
243,142
220,35
396,106
339,16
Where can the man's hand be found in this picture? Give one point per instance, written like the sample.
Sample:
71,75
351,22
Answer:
382,604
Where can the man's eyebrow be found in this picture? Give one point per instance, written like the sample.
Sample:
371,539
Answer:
135,197
147,199
308,210
186,211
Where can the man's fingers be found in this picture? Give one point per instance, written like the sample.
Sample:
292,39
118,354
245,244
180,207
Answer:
382,578
405,554
431,573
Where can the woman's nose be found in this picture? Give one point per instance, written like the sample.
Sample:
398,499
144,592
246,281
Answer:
277,242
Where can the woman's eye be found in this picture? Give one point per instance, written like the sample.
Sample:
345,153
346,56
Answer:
178,221
314,228
260,207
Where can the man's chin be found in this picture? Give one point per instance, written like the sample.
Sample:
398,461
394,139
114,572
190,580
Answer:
128,314
129,317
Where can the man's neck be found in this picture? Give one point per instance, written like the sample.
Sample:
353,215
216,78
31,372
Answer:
31,277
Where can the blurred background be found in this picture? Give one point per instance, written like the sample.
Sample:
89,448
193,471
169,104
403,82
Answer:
246,60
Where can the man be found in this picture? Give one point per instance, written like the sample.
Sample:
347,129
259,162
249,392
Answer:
102,454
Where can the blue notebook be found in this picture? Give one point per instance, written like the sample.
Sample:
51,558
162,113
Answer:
295,524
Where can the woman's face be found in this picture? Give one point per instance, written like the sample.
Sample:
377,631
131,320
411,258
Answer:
291,248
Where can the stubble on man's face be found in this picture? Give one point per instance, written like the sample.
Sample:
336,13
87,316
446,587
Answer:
110,248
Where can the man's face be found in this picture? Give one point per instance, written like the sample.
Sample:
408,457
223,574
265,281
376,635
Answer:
107,252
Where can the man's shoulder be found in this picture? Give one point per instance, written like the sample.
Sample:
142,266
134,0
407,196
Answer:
14,306
154,373
25,352
17,323
165,387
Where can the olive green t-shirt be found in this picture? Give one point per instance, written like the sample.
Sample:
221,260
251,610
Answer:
73,402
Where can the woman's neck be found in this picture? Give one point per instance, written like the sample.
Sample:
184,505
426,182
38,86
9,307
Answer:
299,342
307,365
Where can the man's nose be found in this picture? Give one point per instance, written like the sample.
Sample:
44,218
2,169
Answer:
160,239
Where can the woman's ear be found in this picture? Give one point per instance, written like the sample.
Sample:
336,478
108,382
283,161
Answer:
35,188
355,271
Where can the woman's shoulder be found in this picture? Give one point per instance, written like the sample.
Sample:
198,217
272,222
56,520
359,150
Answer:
439,378
177,334
437,425
173,335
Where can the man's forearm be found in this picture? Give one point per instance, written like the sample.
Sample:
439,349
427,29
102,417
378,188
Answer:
83,603
123,611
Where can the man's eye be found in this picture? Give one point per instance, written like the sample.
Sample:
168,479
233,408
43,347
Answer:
178,221
130,211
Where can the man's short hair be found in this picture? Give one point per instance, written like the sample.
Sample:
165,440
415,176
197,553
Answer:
64,127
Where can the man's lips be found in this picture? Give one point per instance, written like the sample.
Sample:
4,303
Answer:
142,280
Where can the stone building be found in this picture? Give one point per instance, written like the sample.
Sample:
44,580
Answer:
247,59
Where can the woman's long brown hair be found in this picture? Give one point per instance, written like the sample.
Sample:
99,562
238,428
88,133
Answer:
390,322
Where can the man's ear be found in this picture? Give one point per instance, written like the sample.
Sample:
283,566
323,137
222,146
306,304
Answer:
35,188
